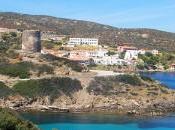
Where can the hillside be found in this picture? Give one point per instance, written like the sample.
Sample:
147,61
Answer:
108,35
123,94
10,121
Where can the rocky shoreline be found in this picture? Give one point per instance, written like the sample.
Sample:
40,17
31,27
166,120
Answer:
130,107
122,94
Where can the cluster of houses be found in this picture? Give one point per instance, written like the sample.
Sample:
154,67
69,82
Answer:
124,54
82,41
100,55
132,53
51,36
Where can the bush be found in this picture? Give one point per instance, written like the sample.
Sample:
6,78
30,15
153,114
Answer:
146,78
9,41
12,54
4,90
10,121
45,69
130,79
62,61
20,70
111,85
47,87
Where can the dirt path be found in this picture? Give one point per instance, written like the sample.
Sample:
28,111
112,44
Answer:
84,78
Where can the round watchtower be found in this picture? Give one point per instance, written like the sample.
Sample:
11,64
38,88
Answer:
31,41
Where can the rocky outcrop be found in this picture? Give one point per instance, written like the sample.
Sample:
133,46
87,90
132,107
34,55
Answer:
113,95
142,106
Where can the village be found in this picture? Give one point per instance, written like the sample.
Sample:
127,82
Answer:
88,52
93,56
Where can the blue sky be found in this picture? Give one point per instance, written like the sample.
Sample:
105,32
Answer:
157,14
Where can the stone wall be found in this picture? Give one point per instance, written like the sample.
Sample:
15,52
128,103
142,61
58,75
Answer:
31,41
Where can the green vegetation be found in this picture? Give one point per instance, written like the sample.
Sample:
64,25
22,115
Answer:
9,41
57,61
108,85
51,44
151,61
53,87
22,69
110,53
4,90
146,79
41,69
10,121
141,38
129,79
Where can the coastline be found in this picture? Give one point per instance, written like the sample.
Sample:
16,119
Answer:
102,110
147,99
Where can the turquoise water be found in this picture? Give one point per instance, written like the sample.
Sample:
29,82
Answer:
49,121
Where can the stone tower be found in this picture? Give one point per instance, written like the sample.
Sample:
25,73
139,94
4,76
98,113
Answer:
31,41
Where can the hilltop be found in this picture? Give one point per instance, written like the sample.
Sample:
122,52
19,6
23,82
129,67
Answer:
108,35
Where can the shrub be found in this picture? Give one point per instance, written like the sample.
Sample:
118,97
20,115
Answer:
129,79
10,121
12,54
47,87
45,69
20,70
4,90
111,85
145,78
62,61
10,40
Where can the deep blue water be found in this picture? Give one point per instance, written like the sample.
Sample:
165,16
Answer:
165,78
49,121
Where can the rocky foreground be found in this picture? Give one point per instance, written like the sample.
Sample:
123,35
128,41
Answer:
123,94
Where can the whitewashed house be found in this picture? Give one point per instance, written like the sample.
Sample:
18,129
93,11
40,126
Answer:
131,54
109,60
98,53
83,41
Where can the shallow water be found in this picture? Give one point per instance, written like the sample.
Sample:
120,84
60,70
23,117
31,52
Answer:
49,121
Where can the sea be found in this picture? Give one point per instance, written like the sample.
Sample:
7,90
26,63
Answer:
92,121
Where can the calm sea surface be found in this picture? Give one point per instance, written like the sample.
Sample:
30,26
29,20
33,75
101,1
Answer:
166,78
54,121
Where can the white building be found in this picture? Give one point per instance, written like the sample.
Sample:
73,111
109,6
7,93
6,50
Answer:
131,54
98,53
83,41
109,60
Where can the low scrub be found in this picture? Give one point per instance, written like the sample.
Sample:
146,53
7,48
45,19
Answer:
112,85
4,90
53,87
10,121
22,69
62,61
